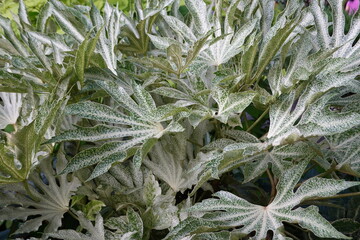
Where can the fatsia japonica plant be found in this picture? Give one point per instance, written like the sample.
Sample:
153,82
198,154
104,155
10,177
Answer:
179,120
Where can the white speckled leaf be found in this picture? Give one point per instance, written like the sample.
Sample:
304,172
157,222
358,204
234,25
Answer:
278,158
169,162
161,42
94,232
180,27
119,94
319,119
53,201
5,23
345,148
337,38
198,11
101,132
287,110
143,127
229,210
65,24
230,103
107,153
131,225
100,112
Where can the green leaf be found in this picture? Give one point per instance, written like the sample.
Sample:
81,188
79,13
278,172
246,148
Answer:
138,40
80,61
92,208
78,200
161,63
346,225
273,41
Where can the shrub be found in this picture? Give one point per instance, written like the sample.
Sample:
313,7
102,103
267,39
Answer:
194,120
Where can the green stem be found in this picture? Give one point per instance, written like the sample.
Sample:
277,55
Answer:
309,168
273,185
195,143
327,204
291,235
28,191
73,214
334,175
258,120
336,196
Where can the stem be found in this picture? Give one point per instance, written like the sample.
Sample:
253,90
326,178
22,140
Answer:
73,214
335,175
258,120
327,204
28,191
246,124
195,143
336,196
291,235
273,185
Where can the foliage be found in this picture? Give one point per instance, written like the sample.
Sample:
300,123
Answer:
175,119
50,197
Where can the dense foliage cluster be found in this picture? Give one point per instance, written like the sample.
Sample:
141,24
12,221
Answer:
181,120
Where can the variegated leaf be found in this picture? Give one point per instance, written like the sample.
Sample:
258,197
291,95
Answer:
49,201
345,149
144,127
230,103
229,210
